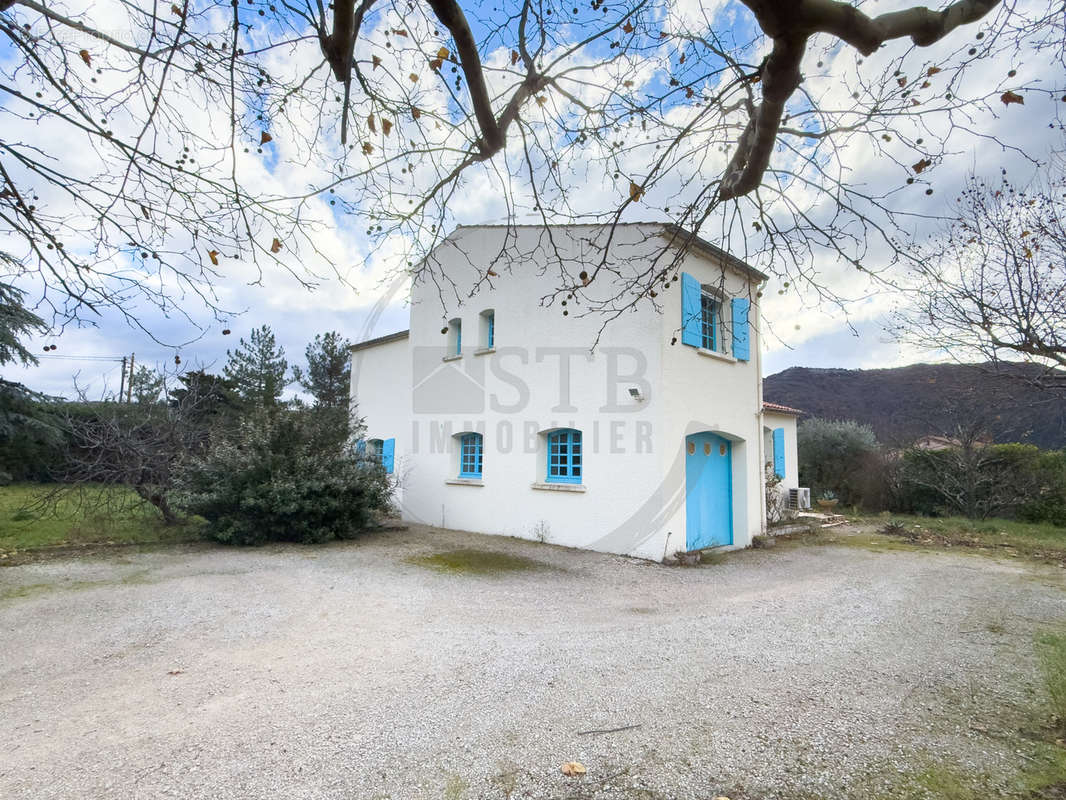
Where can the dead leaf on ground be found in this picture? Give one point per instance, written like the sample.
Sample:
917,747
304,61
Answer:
573,768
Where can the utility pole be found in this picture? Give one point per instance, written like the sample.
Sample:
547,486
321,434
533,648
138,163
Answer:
129,386
122,385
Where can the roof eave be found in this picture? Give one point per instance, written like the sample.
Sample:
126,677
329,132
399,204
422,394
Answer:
391,337
686,238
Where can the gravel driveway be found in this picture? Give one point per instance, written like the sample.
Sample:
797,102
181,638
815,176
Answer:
354,671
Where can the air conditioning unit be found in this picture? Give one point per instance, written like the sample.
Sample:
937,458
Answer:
799,499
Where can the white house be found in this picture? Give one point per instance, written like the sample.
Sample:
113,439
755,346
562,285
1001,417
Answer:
505,410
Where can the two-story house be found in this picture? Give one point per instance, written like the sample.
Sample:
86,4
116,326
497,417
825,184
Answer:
506,410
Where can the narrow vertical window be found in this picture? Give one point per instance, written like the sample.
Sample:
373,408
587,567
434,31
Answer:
564,456
708,322
470,455
486,329
455,337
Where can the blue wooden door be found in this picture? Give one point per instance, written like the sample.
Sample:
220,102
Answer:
708,491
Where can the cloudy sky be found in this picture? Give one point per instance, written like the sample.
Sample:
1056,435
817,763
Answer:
362,299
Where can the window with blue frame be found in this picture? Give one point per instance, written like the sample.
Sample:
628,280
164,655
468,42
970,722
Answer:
564,456
708,322
455,337
486,335
470,455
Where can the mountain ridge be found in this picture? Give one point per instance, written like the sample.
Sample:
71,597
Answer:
902,404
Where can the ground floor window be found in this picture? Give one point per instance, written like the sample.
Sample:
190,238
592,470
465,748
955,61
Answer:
564,456
470,455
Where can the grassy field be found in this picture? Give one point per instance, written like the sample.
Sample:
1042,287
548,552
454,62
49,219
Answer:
1032,540
94,515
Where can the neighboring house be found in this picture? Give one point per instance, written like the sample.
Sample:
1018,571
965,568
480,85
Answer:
498,415
934,442
779,443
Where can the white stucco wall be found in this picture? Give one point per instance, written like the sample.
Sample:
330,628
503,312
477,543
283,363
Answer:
631,498
716,393
381,392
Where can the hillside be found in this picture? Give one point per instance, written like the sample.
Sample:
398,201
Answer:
905,403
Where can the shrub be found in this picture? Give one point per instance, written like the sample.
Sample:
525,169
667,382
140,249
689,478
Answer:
1048,501
979,480
284,475
833,456
1052,653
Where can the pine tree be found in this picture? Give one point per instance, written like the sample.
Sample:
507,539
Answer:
146,386
328,374
16,322
257,368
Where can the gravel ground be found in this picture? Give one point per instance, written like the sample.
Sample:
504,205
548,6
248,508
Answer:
348,671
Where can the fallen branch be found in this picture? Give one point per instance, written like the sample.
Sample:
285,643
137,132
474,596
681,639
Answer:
608,730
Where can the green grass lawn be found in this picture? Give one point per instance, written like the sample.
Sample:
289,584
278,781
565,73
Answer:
1036,540
93,515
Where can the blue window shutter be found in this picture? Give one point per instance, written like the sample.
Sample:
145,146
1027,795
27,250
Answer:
691,311
388,454
741,329
779,452
360,448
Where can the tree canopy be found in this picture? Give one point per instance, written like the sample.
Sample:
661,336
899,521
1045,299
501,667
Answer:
993,285
148,150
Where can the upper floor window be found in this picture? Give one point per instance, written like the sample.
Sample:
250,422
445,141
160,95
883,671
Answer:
713,322
710,310
564,456
455,337
488,329
470,455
